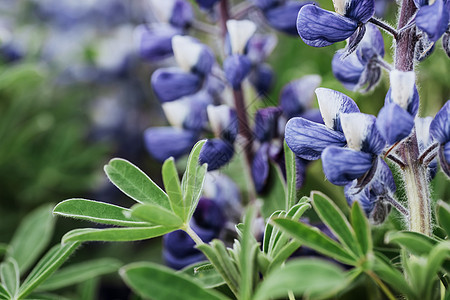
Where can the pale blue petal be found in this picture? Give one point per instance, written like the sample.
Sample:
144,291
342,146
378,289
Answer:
440,126
433,19
236,68
318,27
360,10
283,17
348,71
308,139
172,83
394,123
343,165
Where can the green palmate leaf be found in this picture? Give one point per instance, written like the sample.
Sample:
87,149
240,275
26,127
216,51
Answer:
9,275
80,272
268,231
193,179
362,229
205,273
302,276
247,256
291,177
31,238
98,212
54,258
115,234
156,215
218,264
330,214
133,182
226,261
313,238
285,252
160,283
443,215
436,258
414,242
173,188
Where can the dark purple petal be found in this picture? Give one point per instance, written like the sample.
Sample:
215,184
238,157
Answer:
265,4
433,19
347,70
206,4
343,165
216,153
172,83
179,243
179,263
236,68
394,123
182,14
296,97
261,78
313,115
332,104
363,197
300,171
164,142
360,10
440,126
260,167
266,123
155,43
318,27
283,17
382,182
371,45
308,139
208,215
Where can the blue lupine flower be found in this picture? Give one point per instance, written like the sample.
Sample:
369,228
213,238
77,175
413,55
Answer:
237,66
207,4
308,139
207,222
154,42
396,119
195,61
257,50
296,97
433,19
318,27
218,151
159,142
342,165
360,68
178,13
281,14
372,197
440,131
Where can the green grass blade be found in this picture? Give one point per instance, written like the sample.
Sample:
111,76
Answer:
332,216
172,186
98,212
313,238
80,272
160,283
32,237
115,234
54,258
156,215
135,183
302,276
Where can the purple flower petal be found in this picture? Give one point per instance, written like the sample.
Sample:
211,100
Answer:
371,45
318,27
383,181
347,70
342,165
308,139
260,167
206,4
360,10
433,19
296,97
266,123
444,158
182,14
283,17
236,68
160,142
261,78
446,42
216,153
394,123
332,104
172,83
155,42
260,46
313,115
440,126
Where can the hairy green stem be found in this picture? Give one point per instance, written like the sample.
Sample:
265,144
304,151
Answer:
193,235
